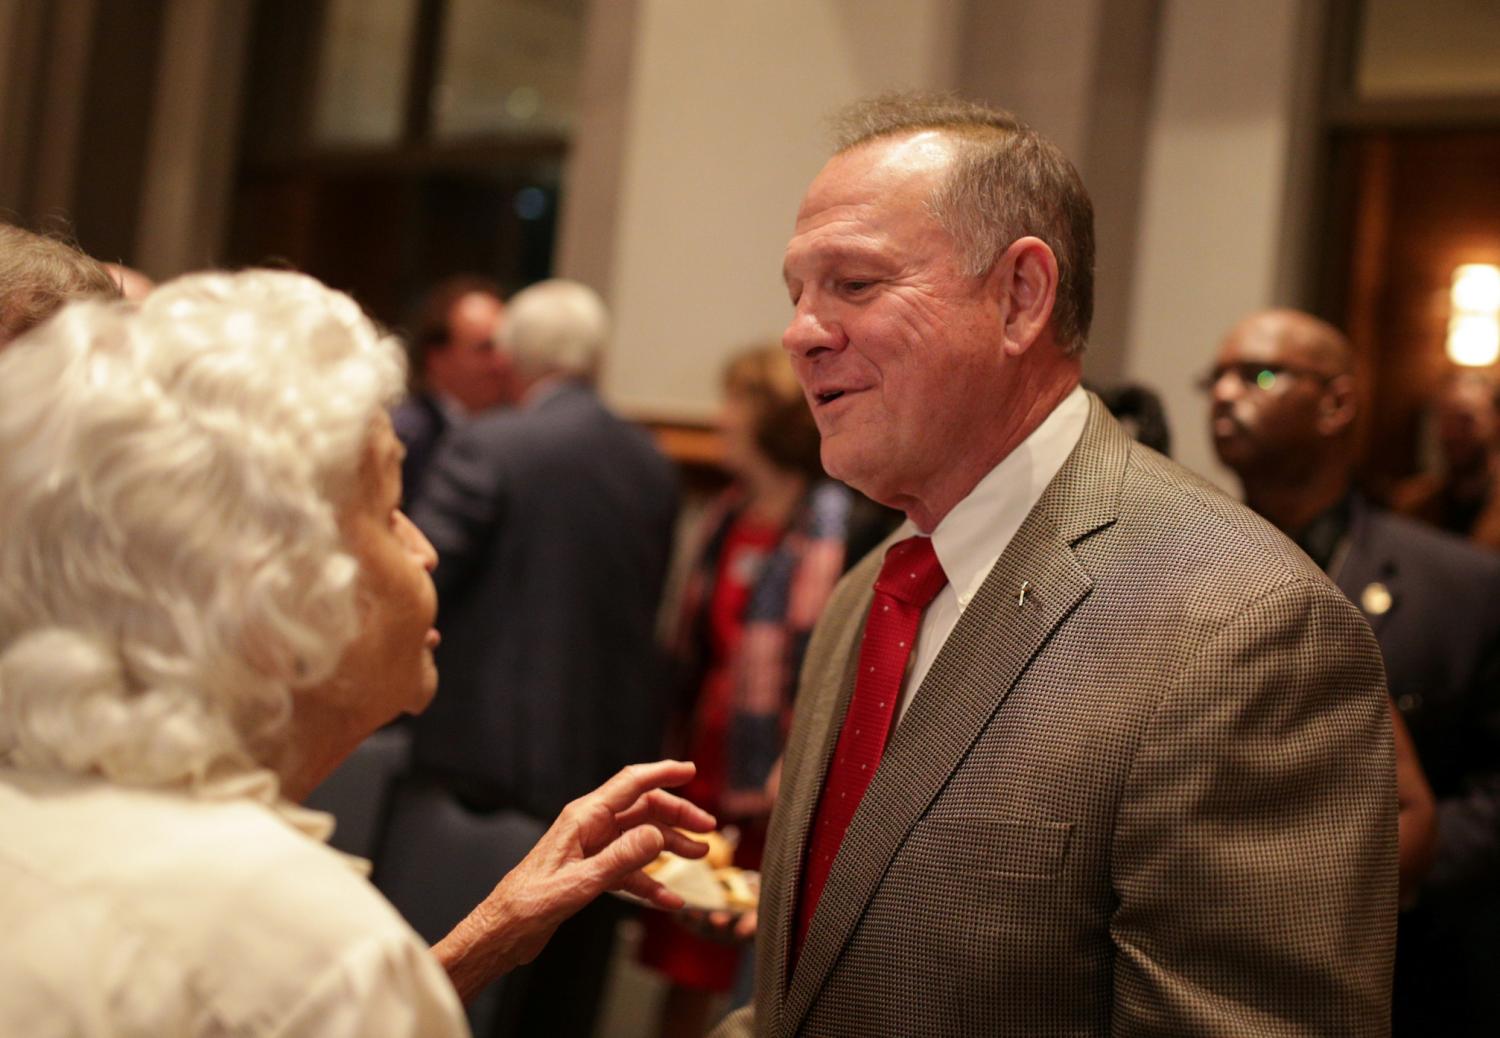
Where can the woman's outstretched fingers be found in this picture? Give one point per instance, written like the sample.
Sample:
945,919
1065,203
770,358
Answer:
648,889
627,786
626,854
658,807
683,845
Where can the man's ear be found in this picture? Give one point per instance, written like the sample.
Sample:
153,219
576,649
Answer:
1337,406
1023,284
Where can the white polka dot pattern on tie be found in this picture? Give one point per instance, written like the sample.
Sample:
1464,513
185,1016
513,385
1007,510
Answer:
890,630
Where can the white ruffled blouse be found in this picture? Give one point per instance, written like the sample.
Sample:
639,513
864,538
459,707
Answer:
218,911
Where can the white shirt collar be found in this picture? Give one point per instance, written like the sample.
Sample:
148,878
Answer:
972,536
263,786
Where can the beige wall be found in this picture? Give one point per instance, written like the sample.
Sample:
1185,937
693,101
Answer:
1082,72
1218,195
1188,120
723,132
1036,59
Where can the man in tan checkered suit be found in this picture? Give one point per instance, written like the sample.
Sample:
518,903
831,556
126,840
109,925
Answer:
1139,778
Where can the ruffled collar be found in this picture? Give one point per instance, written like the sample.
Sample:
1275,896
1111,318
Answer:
262,786
255,785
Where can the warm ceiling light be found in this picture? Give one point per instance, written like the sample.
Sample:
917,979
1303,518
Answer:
1476,288
1473,340
1474,324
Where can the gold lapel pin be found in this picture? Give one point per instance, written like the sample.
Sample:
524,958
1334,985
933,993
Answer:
1376,599
1021,598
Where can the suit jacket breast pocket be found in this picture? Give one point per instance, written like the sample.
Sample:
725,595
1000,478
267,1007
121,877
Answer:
993,846
988,894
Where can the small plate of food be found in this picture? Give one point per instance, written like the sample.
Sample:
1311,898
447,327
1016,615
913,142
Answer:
707,884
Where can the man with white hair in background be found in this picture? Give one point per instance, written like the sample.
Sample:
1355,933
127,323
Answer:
553,521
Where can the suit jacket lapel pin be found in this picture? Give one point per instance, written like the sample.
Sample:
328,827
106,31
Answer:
1376,599
1021,597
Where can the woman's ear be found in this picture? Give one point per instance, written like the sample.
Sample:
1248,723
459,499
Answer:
1023,284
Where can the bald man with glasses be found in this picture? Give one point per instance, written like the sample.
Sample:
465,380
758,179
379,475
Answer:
1285,392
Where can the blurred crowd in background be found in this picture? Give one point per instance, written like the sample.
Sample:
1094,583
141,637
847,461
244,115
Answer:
600,605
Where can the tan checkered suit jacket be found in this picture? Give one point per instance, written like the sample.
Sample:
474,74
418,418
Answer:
1156,799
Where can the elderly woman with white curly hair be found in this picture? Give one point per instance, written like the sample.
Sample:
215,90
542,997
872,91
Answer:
208,597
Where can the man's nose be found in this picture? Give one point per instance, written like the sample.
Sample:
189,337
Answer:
809,334
1225,386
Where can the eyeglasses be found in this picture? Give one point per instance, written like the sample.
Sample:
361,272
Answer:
1265,377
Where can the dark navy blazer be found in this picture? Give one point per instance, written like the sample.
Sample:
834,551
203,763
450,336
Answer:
553,527
1433,601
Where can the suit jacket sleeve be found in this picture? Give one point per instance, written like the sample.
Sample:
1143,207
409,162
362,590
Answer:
1255,851
1468,855
461,508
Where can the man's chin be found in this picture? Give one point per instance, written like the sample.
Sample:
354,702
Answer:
1242,462
1231,448
849,466
873,480
1229,461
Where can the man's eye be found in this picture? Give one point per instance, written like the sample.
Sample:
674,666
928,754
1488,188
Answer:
856,286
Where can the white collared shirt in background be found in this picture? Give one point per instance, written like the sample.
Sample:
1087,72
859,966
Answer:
971,537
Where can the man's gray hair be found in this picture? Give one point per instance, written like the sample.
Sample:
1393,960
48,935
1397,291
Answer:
1007,181
39,274
555,327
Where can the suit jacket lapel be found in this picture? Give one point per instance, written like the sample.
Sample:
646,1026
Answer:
993,642
815,732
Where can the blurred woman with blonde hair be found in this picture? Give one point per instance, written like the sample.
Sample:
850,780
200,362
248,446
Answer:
766,557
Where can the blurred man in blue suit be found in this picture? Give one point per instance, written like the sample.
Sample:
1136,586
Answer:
553,520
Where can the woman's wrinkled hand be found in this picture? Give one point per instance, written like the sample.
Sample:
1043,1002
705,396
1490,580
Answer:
600,842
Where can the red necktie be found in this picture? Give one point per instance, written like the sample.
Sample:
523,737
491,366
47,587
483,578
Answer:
909,580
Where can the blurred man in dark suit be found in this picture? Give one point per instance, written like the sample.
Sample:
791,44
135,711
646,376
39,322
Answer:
1285,392
455,369
552,519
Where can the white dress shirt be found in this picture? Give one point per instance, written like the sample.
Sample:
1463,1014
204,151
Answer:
218,912
971,537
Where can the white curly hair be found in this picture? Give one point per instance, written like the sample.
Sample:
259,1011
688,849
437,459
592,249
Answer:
171,565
